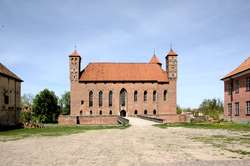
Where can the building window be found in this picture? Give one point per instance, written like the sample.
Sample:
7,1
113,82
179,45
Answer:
135,96
248,84
154,112
237,109
248,107
6,99
237,86
145,95
90,99
154,96
100,112
123,97
229,88
135,112
229,109
82,102
81,112
100,98
110,98
145,112
165,95
90,112
110,112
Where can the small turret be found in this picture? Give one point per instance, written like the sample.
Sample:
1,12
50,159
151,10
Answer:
155,60
74,66
171,64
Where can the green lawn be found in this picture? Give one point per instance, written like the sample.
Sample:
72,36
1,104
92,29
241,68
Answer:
207,125
52,130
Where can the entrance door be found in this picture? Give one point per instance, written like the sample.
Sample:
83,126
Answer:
123,113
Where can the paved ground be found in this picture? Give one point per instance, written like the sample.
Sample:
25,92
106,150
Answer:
141,144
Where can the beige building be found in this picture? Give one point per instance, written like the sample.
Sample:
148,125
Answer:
125,89
10,96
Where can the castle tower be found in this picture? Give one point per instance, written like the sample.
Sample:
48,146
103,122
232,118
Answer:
74,66
171,64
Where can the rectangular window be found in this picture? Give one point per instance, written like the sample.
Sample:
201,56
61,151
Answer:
248,84
229,109
248,107
237,86
229,88
6,99
237,109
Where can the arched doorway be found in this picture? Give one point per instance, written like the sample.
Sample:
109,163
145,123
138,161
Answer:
123,113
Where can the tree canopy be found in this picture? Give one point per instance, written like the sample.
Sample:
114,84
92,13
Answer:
45,106
65,103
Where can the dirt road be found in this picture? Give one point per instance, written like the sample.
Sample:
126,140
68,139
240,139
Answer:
140,144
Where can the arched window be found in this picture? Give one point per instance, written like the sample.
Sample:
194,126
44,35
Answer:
154,112
110,98
100,98
135,112
90,99
154,96
165,95
145,95
123,97
81,112
90,112
110,112
135,96
100,112
145,112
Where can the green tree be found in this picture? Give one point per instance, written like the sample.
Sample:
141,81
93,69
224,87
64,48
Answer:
178,109
212,107
45,107
65,103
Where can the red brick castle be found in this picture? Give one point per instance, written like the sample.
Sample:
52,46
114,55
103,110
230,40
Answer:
122,89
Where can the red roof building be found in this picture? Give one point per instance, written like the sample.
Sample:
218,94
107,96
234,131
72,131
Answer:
237,93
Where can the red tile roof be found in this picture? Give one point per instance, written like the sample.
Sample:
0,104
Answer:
243,67
172,52
74,53
123,72
5,71
155,60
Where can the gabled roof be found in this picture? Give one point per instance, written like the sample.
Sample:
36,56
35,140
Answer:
244,66
123,72
6,72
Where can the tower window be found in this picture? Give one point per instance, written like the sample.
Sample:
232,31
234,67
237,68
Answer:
145,95
100,98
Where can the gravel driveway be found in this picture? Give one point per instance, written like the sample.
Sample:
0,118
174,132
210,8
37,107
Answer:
140,144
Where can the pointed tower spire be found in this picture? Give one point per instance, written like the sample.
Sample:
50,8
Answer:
155,59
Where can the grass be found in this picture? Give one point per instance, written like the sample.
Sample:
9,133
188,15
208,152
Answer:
52,130
207,125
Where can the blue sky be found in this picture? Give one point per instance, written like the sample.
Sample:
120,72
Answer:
211,38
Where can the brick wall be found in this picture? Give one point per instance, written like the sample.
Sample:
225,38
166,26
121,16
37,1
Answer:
87,120
240,97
